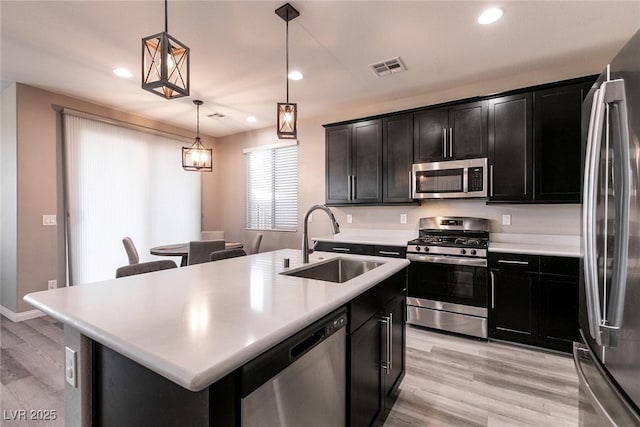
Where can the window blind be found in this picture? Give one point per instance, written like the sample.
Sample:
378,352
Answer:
123,182
272,188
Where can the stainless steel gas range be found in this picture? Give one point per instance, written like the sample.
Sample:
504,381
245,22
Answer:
447,287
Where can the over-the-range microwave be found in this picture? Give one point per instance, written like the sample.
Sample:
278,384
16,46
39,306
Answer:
450,179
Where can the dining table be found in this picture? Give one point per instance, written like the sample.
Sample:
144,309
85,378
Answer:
182,250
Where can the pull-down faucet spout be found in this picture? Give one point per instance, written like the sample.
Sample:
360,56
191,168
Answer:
335,228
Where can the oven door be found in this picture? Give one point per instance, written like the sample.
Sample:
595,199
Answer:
443,279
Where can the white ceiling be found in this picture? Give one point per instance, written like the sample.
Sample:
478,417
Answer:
238,50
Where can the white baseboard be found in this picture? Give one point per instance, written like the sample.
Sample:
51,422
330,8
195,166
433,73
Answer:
19,317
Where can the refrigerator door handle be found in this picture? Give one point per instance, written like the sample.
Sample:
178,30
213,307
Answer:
594,141
615,97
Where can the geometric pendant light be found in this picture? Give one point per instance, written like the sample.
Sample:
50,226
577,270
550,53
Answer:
165,64
197,157
287,111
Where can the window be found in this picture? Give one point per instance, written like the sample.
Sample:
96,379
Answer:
122,182
272,187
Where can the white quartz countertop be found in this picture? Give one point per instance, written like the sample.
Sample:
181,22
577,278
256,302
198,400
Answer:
371,237
195,324
535,244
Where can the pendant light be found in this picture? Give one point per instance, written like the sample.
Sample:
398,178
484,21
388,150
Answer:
197,157
165,64
287,111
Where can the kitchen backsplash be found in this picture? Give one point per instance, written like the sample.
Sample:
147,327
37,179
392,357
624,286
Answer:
524,219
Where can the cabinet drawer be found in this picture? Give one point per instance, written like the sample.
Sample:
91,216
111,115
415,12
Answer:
519,262
361,308
346,248
391,251
566,266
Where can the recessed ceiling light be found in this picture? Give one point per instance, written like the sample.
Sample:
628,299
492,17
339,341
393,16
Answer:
490,16
122,72
251,119
295,75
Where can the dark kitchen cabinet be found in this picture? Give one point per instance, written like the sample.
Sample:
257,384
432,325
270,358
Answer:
376,350
397,145
449,133
557,142
511,148
534,299
362,249
354,163
535,145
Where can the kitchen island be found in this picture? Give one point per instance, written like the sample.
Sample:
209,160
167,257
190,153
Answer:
196,325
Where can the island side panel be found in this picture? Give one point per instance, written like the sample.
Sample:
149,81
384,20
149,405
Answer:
77,400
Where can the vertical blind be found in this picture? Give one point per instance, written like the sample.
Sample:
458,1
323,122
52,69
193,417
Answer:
123,182
272,188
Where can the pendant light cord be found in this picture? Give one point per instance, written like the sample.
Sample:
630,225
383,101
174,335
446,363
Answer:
198,121
287,55
166,19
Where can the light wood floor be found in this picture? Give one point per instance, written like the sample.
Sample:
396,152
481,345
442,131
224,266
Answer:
450,381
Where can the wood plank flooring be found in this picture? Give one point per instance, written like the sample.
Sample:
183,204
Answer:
456,381
450,380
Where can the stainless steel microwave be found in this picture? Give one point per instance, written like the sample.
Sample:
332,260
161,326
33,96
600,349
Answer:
450,179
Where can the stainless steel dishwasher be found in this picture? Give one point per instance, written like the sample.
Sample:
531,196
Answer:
301,381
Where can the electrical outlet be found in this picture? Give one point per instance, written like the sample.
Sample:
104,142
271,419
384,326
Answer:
52,284
403,218
506,219
49,220
71,367
349,218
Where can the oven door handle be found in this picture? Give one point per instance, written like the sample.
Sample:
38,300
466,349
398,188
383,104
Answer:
473,262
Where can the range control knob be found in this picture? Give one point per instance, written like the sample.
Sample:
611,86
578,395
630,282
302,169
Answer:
463,251
426,249
473,252
418,248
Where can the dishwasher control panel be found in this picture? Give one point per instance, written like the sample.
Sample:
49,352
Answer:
337,323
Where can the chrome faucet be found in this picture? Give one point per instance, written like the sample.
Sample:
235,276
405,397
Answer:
335,228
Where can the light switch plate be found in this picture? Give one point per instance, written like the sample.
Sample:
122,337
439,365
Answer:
52,284
71,367
349,218
49,220
506,219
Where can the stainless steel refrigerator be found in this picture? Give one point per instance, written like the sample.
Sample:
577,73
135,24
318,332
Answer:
608,357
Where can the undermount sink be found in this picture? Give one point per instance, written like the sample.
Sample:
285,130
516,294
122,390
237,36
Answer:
337,270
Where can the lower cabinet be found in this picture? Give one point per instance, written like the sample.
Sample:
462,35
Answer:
534,299
376,351
362,249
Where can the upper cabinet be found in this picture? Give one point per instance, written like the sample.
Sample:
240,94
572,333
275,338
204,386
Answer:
369,162
448,133
557,141
535,145
354,163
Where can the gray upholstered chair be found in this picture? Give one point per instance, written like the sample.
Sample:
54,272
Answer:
212,235
144,267
226,253
132,253
199,250
254,246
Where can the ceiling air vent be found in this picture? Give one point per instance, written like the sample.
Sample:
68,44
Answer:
388,67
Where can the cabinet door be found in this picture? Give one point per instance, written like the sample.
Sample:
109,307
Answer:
558,311
510,148
365,398
430,138
512,314
391,377
468,130
366,162
557,142
338,163
397,142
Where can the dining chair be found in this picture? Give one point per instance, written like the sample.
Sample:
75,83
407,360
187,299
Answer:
226,253
199,250
212,235
144,267
254,246
132,253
